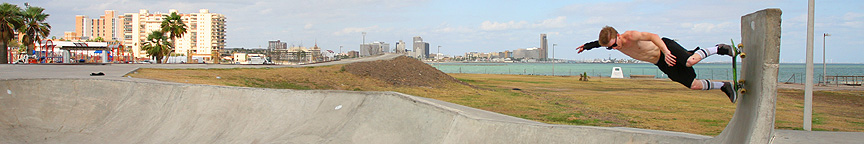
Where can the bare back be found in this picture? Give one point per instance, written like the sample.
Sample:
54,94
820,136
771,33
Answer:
640,50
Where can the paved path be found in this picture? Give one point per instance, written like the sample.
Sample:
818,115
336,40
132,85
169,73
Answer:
114,71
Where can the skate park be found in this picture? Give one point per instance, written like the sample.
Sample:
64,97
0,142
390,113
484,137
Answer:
67,108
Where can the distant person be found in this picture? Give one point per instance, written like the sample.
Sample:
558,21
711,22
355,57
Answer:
666,54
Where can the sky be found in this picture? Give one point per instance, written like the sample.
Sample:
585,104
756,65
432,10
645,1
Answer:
460,26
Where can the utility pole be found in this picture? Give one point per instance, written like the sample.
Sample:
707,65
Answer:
364,43
553,59
824,73
808,84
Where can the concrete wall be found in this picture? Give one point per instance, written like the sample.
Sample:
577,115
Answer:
753,121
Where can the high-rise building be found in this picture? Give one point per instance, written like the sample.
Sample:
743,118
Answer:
374,48
83,27
400,47
421,49
277,45
528,53
544,47
205,32
105,26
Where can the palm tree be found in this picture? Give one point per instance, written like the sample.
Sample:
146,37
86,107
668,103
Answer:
35,28
173,25
99,39
10,20
157,45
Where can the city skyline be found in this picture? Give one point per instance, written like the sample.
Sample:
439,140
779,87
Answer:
493,26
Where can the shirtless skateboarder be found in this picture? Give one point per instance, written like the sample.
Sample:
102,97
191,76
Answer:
666,54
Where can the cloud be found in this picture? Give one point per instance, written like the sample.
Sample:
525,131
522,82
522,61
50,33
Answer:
492,26
706,27
852,16
351,30
853,20
557,22
308,26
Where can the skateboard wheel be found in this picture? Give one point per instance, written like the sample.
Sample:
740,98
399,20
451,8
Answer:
741,82
743,54
740,45
743,90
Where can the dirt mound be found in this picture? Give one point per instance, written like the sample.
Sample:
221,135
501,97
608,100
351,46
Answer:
402,71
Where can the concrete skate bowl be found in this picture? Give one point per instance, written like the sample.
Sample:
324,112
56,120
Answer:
118,111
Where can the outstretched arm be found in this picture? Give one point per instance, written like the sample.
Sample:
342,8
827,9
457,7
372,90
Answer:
588,46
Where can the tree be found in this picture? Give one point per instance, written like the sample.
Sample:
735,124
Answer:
10,20
173,25
157,45
99,39
35,28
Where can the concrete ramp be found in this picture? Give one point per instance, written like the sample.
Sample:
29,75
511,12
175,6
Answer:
753,121
63,108
116,111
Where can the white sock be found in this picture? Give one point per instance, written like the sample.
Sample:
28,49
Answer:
708,85
707,51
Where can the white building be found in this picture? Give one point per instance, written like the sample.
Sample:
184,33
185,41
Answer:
421,48
400,47
205,32
528,53
374,48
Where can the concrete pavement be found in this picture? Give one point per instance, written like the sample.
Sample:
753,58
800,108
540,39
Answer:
63,104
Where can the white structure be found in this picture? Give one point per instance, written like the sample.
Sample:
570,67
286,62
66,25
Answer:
421,48
400,47
528,53
617,72
374,48
205,32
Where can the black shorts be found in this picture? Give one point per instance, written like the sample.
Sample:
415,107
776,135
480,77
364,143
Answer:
680,72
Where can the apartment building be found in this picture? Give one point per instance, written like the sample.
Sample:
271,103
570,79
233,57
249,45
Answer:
205,32
85,28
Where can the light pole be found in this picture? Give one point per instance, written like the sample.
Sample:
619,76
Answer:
808,81
364,43
553,59
824,74
438,55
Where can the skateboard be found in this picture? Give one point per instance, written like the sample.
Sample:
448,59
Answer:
738,85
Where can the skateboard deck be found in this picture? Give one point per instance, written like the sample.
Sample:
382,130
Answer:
738,85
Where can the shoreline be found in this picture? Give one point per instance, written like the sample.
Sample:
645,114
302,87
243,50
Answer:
780,85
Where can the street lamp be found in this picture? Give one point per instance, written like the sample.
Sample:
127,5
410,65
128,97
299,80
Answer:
553,59
438,55
824,74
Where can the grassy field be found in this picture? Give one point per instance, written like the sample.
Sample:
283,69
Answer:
638,103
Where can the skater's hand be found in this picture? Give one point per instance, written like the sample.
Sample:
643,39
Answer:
580,49
670,59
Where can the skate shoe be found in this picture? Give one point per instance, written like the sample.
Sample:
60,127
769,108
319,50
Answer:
730,91
724,49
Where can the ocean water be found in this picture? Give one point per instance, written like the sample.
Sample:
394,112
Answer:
789,72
